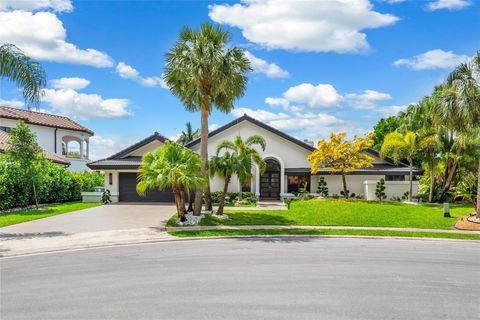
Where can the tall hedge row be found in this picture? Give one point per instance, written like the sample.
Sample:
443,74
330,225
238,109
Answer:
54,184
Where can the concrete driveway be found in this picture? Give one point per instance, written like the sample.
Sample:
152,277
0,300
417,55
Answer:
103,218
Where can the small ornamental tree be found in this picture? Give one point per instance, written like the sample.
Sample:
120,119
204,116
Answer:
23,148
322,188
341,156
380,190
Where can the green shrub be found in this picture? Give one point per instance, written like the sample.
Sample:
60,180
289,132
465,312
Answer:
322,188
380,190
55,184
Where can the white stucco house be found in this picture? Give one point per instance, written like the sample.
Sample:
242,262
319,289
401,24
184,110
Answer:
287,167
63,140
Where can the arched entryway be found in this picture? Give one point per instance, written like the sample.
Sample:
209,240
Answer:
270,180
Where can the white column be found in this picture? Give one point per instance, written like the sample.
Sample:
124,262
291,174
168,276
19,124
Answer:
282,179
81,149
257,181
88,148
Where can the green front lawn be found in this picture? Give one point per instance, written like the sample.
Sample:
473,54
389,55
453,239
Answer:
9,218
324,232
337,212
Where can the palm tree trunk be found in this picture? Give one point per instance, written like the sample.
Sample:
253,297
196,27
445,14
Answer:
190,201
449,179
411,181
344,180
204,157
35,195
478,192
180,203
221,205
432,182
208,195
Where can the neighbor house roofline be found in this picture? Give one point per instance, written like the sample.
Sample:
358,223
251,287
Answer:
245,117
42,119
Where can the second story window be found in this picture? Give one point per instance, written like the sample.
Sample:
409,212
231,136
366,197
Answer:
6,129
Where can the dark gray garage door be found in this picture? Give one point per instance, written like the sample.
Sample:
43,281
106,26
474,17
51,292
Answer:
128,193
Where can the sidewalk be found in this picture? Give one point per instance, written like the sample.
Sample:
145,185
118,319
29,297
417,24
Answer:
20,244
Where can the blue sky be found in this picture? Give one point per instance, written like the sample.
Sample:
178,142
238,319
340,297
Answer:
320,66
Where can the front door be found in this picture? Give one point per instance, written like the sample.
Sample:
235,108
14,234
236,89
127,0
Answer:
270,181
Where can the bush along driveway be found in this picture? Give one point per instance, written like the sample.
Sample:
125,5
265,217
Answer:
344,217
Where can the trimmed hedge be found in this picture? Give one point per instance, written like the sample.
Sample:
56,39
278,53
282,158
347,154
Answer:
55,184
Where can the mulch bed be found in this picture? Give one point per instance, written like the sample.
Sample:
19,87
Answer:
469,223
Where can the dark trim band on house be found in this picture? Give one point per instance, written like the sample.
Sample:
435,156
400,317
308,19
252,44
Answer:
245,117
379,169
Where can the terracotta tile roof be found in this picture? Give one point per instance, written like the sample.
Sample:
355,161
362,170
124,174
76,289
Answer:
50,156
42,119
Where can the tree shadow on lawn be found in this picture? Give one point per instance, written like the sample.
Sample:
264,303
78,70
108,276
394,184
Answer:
241,218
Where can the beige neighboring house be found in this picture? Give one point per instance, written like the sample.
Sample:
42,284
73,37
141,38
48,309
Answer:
287,167
57,135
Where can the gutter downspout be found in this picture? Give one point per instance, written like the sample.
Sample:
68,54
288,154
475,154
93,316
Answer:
55,137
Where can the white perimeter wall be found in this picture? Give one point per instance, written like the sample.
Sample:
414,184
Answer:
392,188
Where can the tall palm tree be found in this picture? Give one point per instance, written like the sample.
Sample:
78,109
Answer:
28,75
460,107
399,147
226,165
172,166
189,135
203,72
429,145
246,148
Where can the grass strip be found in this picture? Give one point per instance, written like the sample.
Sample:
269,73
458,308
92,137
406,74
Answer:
326,232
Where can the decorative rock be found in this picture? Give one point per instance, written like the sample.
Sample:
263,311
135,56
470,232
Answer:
195,220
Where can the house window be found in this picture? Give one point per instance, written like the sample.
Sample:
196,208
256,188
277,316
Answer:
110,178
294,183
6,129
395,178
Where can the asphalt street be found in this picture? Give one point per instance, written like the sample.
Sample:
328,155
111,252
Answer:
248,278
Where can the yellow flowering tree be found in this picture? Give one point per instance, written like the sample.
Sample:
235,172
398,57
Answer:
341,156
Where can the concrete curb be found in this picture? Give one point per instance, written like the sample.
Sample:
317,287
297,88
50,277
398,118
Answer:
270,227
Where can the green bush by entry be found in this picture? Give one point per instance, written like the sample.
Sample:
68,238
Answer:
56,184
233,196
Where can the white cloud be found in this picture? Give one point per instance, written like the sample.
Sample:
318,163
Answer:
283,103
319,26
448,4
319,96
69,102
433,59
368,99
392,110
74,83
128,72
34,5
311,125
259,114
42,36
213,126
12,103
271,70
102,147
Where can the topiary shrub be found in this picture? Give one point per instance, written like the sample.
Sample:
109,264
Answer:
322,188
380,190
